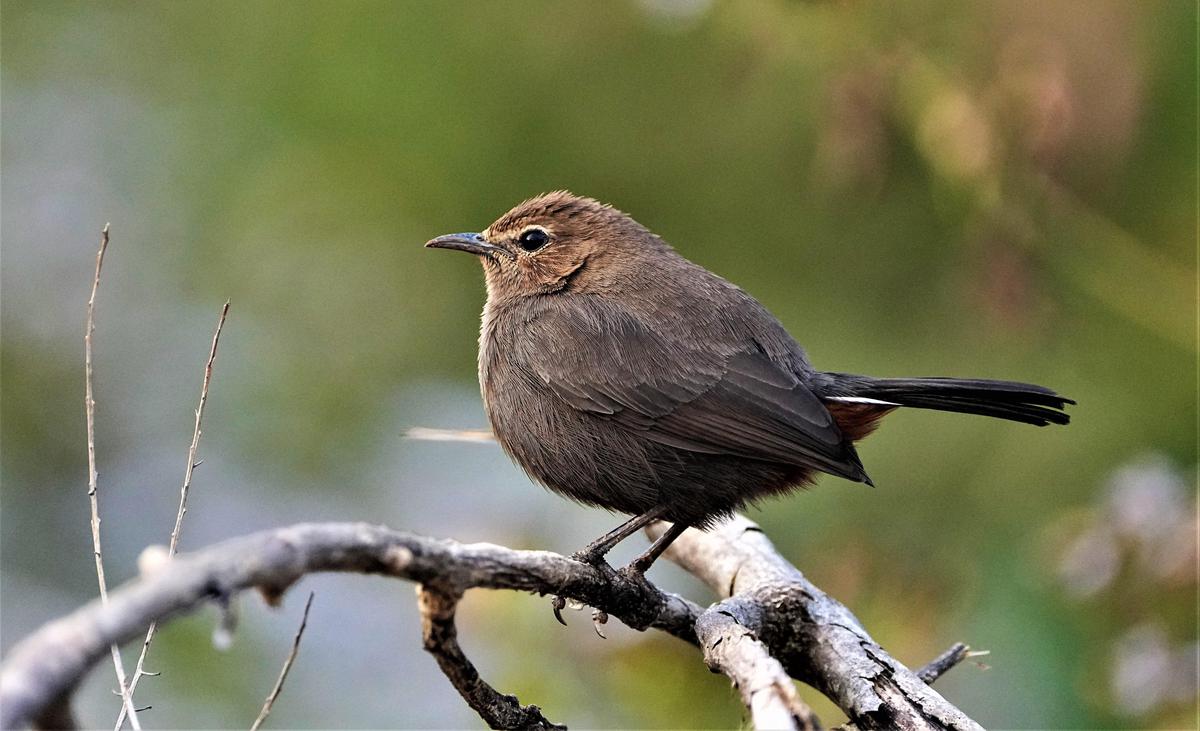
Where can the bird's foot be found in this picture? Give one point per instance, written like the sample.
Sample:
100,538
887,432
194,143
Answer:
599,616
640,598
595,559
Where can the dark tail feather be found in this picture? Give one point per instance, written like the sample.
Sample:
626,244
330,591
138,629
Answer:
1002,399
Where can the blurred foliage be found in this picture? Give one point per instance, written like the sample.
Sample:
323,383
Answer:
1002,189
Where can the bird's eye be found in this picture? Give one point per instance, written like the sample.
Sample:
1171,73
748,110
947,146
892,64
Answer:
532,239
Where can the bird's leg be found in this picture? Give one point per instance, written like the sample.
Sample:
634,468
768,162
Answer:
594,552
636,572
640,564
593,555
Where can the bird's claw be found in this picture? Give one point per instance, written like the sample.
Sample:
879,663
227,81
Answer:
599,616
599,619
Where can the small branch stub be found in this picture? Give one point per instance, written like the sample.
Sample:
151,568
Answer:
938,666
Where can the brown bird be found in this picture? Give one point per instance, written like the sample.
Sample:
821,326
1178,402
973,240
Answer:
619,374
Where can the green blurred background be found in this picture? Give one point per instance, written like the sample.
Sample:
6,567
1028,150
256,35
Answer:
998,189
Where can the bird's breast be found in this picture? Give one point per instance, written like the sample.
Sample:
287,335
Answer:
500,372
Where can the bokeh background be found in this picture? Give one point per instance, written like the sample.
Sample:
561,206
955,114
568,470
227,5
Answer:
1003,189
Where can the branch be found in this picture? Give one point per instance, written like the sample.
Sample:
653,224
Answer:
440,636
287,666
773,623
733,649
49,663
64,714
138,672
816,639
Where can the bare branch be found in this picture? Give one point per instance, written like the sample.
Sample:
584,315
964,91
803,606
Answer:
440,636
815,638
773,624
287,666
93,488
50,662
767,691
139,672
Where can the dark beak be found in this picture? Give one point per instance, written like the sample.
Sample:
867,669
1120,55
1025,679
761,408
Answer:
471,243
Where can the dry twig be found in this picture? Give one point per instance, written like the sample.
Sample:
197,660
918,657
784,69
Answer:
287,666
426,434
139,672
93,496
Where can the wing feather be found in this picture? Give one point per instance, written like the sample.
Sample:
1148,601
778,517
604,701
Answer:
712,398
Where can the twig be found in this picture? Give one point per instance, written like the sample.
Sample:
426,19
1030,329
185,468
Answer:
138,672
191,463
93,497
287,666
426,434
938,666
440,637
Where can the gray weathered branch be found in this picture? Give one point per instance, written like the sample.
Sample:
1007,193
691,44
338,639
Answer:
441,640
772,624
815,638
47,665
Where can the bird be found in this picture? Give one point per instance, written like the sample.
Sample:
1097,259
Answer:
621,375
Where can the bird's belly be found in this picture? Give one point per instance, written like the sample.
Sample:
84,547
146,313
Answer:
597,461
568,452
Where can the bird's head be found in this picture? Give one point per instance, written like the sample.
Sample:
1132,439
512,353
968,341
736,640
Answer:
554,242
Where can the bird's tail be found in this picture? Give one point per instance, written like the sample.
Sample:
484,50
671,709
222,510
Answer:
1002,399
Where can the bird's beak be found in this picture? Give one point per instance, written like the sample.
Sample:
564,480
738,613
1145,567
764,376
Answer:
471,243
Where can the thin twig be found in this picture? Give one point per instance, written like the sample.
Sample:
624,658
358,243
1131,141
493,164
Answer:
287,666
191,462
426,434
138,672
93,497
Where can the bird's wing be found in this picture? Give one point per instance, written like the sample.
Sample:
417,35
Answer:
709,397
